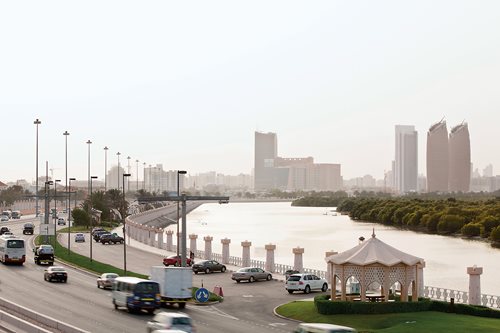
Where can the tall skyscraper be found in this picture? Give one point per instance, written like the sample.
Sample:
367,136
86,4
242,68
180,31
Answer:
406,160
488,171
266,151
437,158
459,159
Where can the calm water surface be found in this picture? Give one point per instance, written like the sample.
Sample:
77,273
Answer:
287,227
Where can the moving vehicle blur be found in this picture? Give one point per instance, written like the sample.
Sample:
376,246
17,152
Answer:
170,320
322,328
136,294
251,274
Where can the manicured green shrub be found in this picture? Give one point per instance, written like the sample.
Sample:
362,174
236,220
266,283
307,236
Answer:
471,230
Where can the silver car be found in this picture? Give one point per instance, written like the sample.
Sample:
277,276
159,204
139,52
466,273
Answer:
251,274
170,320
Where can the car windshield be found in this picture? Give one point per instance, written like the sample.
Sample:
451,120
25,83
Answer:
243,270
15,244
58,269
111,276
181,321
203,262
147,287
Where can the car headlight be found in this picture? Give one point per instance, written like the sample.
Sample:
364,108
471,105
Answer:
137,298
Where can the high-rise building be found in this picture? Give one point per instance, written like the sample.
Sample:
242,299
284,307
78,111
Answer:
266,151
437,158
406,159
459,159
488,171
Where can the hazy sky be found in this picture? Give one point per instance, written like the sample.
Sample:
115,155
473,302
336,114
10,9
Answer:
186,84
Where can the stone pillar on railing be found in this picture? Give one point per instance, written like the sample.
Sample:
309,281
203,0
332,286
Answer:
420,278
144,238
270,257
159,235
169,240
298,263
192,243
152,236
329,268
246,253
208,247
225,250
475,284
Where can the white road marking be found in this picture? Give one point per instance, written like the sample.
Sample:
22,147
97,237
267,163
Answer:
213,310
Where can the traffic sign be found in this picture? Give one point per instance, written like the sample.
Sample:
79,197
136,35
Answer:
202,295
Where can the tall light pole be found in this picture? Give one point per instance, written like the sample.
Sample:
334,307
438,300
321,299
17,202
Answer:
54,217
69,214
144,176
66,158
118,172
106,169
124,233
90,213
88,179
128,171
36,122
137,175
179,172
47,208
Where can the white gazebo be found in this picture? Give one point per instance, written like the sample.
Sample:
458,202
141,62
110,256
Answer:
375,261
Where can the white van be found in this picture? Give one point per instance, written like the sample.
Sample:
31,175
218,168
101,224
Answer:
322,328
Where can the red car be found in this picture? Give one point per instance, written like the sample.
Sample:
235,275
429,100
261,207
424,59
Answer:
176,261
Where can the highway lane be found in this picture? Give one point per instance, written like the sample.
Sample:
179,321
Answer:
80,303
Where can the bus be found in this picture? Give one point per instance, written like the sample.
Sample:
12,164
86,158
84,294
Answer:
12,250
136,294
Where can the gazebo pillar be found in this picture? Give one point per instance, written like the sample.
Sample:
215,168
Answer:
362,285
343,284
329,269
420,278
385,285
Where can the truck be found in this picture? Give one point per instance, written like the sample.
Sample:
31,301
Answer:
44,254
176,284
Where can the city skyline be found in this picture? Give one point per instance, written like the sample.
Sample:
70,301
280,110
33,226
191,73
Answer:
330,79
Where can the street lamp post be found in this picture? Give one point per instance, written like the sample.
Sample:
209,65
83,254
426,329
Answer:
118,171
54,217
90,214
47,208
179,172
106,168
124,229
128,171
69,214
66,133
137,175
36,122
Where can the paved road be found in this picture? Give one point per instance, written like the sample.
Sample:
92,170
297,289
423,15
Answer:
246,308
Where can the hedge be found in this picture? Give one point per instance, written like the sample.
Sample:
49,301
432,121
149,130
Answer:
326,307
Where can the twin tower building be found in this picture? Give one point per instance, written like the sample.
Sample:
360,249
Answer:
448,159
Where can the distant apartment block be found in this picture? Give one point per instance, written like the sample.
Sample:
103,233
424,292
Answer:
437,158
273,172
406,159
459,159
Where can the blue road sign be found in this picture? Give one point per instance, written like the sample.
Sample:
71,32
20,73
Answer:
202,295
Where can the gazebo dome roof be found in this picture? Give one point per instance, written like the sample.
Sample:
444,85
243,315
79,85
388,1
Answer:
374,251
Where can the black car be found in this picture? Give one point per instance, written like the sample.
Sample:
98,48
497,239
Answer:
208,266
97,234
28,229
55,273
111,238
4,230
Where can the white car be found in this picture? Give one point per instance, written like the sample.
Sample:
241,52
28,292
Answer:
170,321
61,221
322,328
79,238
4,218
305,283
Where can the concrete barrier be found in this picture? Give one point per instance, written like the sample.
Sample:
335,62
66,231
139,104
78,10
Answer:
37,317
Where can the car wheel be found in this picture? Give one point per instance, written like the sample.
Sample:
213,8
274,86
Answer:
116,306
207,270
65,280
269,277
151,311
98,286
195,272
290,291
238,281
307,289
251,279
223,269
182,305
324,288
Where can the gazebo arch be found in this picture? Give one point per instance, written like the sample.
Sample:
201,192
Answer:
375,261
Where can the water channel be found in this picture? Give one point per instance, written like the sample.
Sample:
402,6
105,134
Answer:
287,227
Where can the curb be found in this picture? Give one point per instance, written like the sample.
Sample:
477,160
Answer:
283,317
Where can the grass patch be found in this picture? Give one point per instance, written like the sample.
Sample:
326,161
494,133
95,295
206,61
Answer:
61,253
411,322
